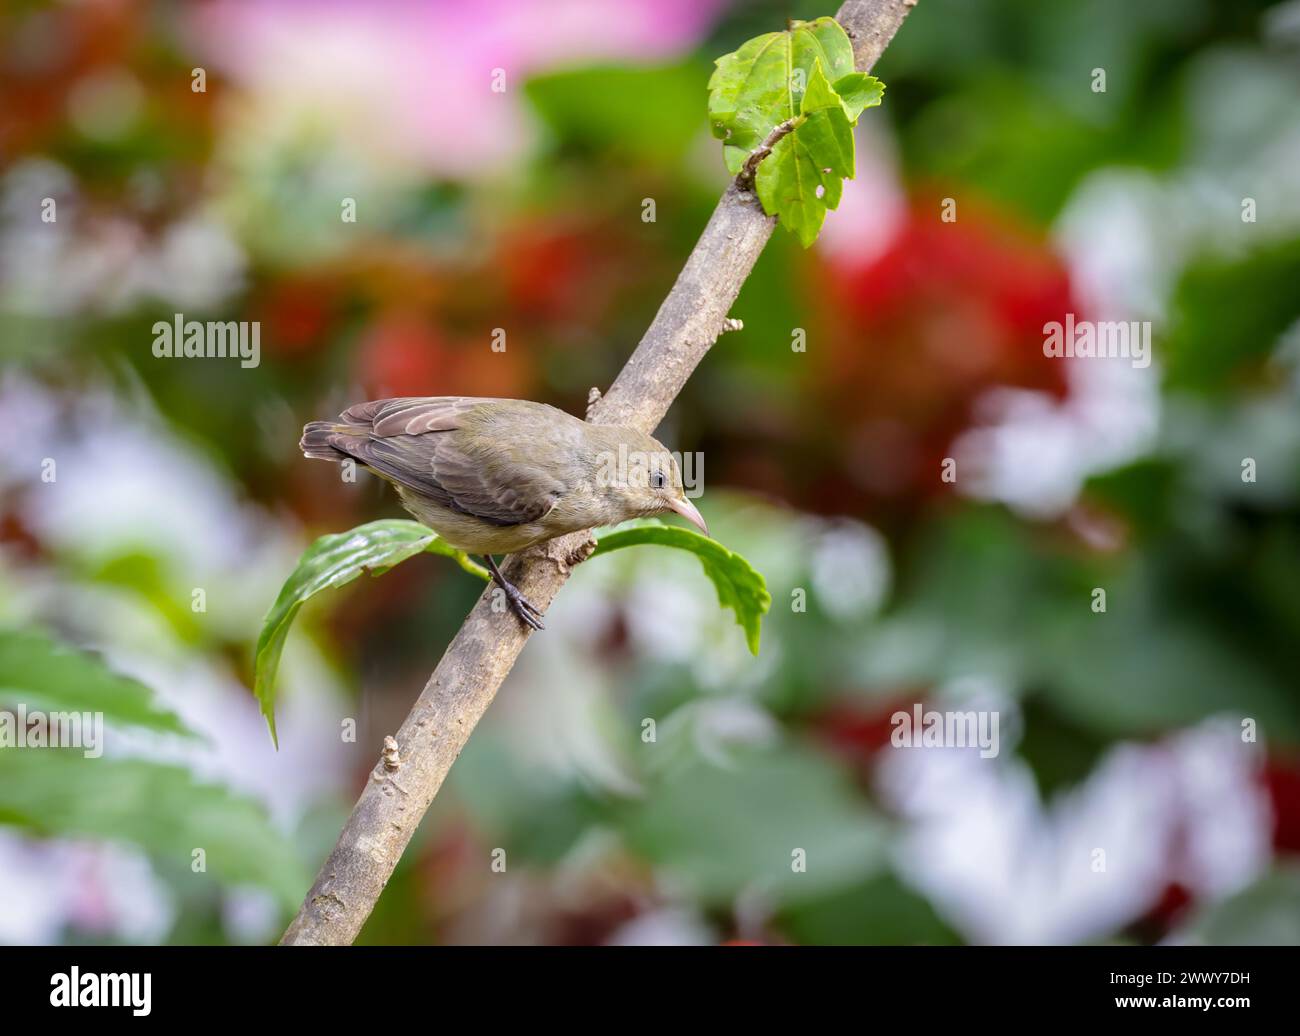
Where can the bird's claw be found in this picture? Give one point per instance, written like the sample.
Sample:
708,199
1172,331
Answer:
519,604
525,609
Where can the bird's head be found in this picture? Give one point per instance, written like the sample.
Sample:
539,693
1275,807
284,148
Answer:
642,478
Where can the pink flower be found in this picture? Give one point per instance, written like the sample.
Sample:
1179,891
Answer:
415,79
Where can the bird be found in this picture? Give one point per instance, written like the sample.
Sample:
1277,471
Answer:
494,476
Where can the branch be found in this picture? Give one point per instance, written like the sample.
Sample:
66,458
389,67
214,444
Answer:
745,178
406,778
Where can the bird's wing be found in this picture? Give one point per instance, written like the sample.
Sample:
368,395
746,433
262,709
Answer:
414,415
505,486
420,443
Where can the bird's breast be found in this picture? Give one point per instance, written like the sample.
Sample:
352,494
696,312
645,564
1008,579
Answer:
468,533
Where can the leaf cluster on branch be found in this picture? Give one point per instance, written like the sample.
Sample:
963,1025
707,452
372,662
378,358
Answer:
784,105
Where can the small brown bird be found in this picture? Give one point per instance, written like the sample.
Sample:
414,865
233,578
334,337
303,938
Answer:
493,476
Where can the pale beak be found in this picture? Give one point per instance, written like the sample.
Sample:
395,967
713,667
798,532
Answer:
687,510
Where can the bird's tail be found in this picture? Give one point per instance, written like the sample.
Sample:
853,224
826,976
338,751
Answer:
328,440
352,438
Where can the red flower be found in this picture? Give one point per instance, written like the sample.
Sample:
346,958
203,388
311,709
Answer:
296,316
915,336
402,354
1282,780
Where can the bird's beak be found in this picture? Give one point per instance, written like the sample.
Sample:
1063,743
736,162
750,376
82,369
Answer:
687,510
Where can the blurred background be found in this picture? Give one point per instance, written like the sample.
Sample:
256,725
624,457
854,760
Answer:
1162,732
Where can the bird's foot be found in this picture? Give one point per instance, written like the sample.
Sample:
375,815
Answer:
528,613
523,607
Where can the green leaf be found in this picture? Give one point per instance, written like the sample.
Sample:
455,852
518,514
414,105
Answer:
803,176
333,561
825,129
786,77
739,587
985,596
1266,913
858,91
162,809
602,110
36,670
759,86
880,911
1228,314
721,831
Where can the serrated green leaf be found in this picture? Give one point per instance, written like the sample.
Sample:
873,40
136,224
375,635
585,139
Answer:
162,809
37,670
825,129
333,561
787,77
858,91
787,184
739,586
803,176
761,84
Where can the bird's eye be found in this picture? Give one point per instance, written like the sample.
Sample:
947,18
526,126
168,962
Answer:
657,480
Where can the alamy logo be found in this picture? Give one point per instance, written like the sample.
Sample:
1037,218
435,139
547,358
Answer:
923,728
32,728
126,989
1107,339
655,470
217,339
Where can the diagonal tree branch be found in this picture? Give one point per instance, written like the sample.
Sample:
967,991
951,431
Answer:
402,785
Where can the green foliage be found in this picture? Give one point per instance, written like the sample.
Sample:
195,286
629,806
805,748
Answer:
1266,913
857,92
739,587
339,558
44,673
700,824
761,84
1228,315
604,109
803,76
1060,753
541,820
803,176
881,911
989,597
162,809
333,561
1027,152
